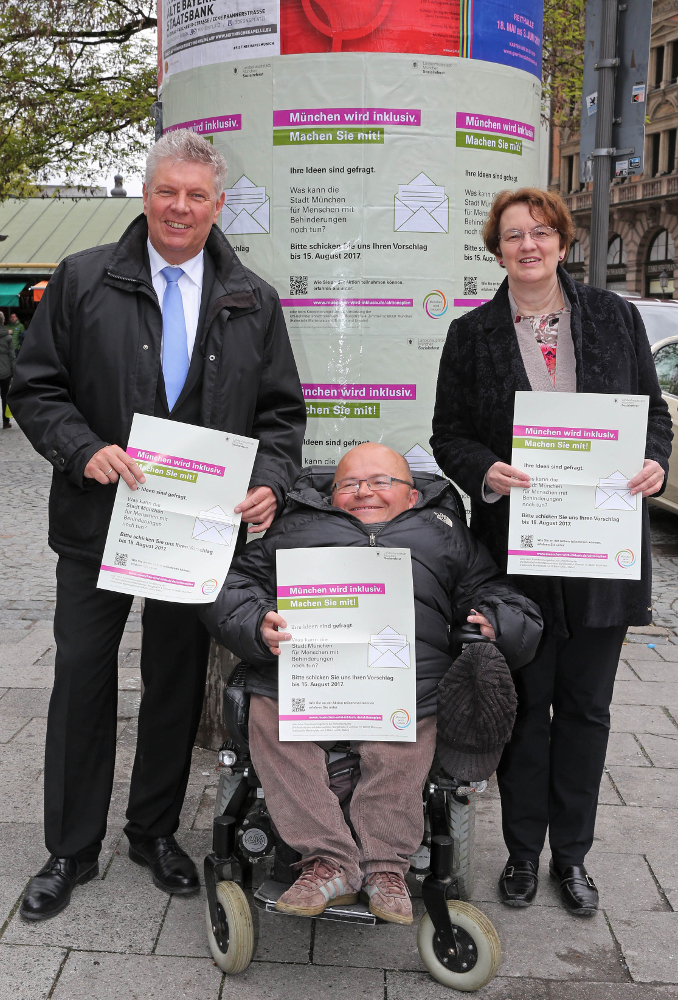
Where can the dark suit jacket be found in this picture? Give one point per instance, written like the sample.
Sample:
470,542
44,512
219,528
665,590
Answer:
480,370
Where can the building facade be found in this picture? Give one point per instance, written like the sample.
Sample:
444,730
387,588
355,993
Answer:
643,233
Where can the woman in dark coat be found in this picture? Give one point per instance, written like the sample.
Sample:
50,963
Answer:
545,332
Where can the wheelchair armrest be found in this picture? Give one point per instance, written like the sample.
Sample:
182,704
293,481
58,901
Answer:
466,633
237,708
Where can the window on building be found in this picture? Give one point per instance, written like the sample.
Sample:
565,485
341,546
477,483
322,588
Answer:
659,266
576,254
662,246
570,172
672,152
656,138
575,261
674,59
658,65
616,265
616,253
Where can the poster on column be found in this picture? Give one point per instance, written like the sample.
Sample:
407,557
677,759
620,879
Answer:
349,671
363,157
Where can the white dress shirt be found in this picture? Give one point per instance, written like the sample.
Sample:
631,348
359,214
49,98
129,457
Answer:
190,286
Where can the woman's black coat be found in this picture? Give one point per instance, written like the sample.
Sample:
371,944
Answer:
481,369
451,573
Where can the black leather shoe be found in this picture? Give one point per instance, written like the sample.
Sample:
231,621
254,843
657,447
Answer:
518,883
172,869
577,889
49,892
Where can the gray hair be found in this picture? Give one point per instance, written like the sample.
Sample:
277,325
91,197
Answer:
186,146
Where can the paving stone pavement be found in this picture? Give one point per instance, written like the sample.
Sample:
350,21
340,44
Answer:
122,939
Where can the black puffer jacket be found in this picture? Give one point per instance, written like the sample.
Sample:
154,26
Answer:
452,574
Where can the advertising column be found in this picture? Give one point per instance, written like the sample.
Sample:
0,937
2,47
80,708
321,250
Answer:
365,141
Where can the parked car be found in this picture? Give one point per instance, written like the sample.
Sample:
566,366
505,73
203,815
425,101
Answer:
660,316
665,353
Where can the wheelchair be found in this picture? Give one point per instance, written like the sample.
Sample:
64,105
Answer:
457,943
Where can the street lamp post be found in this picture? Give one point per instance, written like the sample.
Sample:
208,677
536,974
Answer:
600,207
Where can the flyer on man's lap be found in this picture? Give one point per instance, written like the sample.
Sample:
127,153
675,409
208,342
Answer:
578,517
173,537
349,671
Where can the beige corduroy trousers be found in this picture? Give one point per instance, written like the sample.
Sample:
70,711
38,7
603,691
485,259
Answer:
386,807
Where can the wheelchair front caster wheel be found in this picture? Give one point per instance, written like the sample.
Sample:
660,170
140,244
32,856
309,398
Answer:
238,955
484,958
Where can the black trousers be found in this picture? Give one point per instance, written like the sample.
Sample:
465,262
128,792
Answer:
81,724
550,771
4,389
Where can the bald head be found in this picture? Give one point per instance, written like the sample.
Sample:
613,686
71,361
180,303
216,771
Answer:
388,461
369,462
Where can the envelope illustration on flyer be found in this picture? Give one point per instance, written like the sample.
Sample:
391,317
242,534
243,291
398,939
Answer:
214,526
388,649
421,207
246,209
614,493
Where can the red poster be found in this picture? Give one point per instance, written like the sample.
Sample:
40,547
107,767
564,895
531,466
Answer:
427,27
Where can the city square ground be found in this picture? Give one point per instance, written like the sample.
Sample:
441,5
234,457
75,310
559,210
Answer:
123,939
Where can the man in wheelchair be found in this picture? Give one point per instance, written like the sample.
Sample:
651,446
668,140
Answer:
370,500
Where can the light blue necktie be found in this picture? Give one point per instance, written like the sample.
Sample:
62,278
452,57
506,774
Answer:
174,345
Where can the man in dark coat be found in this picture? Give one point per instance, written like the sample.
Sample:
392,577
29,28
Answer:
123,329
369,501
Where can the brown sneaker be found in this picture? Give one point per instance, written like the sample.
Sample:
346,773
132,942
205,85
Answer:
322,883
388,896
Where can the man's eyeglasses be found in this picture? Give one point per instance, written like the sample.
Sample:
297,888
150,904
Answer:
539,233
376,485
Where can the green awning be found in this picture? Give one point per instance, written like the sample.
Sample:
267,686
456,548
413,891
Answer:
9,292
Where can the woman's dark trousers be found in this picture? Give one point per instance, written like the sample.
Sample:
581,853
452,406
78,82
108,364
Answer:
81,725
550,772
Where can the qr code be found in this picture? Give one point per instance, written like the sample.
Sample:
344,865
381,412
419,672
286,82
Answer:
527,541
120,559
298,284
298,704
470,286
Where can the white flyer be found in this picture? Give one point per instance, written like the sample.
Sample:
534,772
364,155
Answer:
349,672
173,538
578,517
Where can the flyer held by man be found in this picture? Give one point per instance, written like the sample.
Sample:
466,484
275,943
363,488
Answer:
173,536
349,671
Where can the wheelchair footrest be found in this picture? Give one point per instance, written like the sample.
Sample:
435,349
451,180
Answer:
269,892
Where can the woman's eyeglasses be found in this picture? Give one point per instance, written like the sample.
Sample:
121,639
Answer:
539,233
375,485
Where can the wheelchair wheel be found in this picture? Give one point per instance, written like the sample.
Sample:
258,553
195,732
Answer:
461,820
478,927
238,955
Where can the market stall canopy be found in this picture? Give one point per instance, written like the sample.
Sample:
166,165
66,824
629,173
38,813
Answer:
42,231
9,293
38,290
